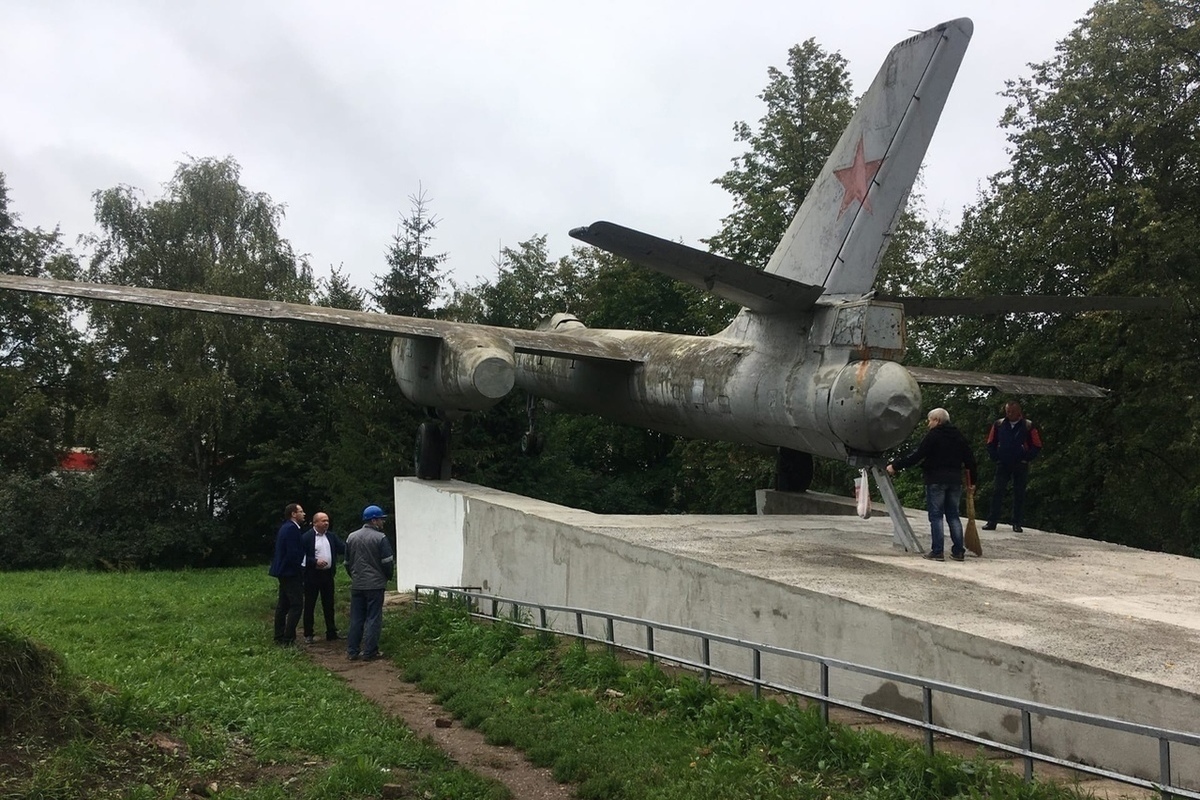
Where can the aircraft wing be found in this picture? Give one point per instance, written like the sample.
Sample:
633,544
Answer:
731,280
1006,383
1024,304
562,345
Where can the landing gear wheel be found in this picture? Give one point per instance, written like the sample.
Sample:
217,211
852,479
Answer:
532,443
431,451
793,470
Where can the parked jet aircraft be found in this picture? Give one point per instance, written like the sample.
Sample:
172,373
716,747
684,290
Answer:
810,365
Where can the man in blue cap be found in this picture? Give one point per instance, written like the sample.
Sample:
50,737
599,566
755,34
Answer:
369,562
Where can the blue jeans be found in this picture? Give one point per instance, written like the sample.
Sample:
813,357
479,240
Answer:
941,500
366,619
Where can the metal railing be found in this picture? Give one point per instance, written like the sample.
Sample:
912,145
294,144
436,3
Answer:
475,600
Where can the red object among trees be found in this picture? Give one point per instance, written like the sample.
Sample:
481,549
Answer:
77,459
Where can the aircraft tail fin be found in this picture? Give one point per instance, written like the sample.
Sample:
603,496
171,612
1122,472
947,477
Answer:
843,227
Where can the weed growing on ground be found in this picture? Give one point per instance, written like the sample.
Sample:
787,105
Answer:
626,733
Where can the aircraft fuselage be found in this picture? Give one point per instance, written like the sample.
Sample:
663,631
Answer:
822,383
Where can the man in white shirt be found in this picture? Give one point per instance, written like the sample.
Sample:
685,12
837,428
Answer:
321,549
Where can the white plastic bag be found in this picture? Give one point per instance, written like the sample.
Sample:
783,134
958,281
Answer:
862,493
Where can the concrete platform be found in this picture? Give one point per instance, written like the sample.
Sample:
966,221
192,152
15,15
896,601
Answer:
1063,621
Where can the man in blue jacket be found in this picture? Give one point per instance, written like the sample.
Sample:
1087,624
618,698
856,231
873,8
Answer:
285,565
321,549
1013,441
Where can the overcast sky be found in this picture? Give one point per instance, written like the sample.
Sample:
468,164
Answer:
517,118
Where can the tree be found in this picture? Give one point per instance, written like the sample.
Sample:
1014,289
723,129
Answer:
1102,197
529,286
413,281
360,427
42,374
193,385
45,378
808,107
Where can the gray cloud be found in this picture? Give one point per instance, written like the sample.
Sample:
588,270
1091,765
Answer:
518,118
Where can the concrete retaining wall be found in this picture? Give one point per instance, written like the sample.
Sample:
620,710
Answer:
456,534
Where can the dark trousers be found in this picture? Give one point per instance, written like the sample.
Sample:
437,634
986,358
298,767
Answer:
319,582
1019,475
366,622
287,608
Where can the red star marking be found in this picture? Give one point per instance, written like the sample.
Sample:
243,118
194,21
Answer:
856,179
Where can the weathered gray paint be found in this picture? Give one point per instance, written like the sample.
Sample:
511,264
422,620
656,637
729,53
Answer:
1050,618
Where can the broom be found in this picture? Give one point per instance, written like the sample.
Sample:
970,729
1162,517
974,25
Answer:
971,534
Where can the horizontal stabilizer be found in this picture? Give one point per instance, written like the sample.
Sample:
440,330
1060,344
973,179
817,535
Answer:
558,345
1025,304
731,280
1013,384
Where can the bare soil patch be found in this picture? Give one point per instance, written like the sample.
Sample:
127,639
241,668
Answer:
381,683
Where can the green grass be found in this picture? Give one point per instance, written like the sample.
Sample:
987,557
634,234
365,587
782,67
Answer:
190,654
130,656
635,732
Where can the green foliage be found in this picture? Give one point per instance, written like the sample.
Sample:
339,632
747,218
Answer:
190,384
412,282
145,510
528,288
41,375
808,107
1099,199
189,653
206,426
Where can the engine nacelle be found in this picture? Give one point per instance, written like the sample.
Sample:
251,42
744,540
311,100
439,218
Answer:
464,371
878,404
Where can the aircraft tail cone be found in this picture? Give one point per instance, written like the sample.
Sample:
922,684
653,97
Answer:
878,405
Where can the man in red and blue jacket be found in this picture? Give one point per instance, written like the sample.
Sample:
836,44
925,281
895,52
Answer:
1013,441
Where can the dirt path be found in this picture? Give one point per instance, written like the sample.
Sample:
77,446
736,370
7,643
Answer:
381,683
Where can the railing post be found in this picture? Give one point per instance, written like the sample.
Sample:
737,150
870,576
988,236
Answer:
1027,742
927,715
824,693
1164,764
1168,790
